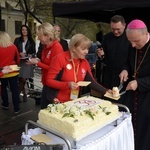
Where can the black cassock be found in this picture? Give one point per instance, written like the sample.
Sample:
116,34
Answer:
116,52
139,101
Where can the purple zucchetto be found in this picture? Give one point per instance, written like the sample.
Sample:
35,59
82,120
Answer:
136,24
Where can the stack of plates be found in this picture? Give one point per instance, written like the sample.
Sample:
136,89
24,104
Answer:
14,67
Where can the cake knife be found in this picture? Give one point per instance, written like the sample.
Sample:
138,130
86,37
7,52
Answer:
120,86
122,93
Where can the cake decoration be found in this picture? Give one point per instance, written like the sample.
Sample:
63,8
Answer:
76,110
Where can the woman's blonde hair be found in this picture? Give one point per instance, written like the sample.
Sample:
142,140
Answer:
78,39
5,40
47,29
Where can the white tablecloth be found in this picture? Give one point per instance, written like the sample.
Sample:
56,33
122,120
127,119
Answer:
111,137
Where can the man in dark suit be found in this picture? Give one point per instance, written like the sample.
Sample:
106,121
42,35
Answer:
114,51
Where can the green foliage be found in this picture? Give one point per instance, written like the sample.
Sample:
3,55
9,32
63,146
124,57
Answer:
72,26
43,10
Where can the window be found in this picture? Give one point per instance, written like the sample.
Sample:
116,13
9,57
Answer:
18,25
2,25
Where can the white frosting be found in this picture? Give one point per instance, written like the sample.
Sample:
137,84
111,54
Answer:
115,91
79,117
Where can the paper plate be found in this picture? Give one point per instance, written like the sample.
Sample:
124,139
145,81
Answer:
109,95
83,83
14,67
41,138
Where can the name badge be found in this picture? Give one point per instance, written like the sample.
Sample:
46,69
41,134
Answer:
74,94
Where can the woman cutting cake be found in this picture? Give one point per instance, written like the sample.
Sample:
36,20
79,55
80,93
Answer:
71,68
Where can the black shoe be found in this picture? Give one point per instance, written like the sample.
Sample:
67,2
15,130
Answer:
4,107
24,98
17,112
2,143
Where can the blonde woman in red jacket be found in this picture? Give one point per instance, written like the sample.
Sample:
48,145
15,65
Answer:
9,56
48,38
68,68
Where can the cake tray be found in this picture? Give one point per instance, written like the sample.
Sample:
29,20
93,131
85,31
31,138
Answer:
109,122
75,141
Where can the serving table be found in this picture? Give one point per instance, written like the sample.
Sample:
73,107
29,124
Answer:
118,135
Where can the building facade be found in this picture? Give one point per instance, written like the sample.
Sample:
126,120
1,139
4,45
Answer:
12,18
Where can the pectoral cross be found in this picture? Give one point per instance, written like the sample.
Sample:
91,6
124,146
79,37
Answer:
134,75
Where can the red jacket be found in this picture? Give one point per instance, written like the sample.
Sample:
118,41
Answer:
47,54
61,72
1,74
9,56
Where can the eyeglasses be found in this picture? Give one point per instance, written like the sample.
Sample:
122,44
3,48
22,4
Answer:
116,29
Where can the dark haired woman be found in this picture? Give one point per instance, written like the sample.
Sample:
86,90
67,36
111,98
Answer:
26,48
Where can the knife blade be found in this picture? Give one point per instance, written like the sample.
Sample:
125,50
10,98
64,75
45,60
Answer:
120,86
122,93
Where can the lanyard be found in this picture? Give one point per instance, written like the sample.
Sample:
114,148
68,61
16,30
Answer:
75,70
